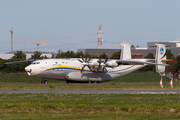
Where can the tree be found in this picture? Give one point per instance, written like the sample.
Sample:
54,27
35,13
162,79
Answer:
150,67
175,66
19,55
38,55
132,46
171,68
68,54
16,67
79,54
169,55
116,55
102,56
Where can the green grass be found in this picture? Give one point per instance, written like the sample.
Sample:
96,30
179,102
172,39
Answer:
90,106
135,80
57,106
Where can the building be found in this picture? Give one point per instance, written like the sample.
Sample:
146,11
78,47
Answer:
138,52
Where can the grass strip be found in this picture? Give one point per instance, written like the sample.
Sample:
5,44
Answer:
89,106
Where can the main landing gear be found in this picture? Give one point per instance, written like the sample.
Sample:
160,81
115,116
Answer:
44,81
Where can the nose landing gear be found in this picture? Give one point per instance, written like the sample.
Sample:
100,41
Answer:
44,81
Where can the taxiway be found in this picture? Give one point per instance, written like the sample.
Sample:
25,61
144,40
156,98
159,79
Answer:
130,91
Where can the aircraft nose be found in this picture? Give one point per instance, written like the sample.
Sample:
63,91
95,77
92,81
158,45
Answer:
28,70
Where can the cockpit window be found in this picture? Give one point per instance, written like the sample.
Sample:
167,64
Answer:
35,63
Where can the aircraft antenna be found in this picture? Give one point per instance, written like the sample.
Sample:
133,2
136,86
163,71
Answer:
100,37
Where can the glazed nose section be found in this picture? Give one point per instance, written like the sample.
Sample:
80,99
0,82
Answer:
28,70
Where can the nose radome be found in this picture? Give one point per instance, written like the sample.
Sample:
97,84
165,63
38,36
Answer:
27,68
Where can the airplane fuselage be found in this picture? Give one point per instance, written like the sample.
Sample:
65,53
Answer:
70,69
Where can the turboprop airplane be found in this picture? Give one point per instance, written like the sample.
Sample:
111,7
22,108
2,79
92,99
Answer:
94,70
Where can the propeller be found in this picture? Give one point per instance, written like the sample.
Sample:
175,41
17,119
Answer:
85,62
103,64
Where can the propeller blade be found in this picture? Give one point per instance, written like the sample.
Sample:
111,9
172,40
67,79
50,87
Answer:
89,59
85,62
89,67
105,70
98,68
99,59
106,59
82,69
80,60
86,58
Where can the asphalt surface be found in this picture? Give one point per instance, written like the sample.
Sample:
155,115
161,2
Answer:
143,91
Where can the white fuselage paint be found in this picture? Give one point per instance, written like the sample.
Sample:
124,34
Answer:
59,69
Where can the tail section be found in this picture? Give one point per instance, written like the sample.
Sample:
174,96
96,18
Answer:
125,52
160,58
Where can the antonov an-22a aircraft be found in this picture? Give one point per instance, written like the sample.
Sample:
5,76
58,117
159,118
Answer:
94,70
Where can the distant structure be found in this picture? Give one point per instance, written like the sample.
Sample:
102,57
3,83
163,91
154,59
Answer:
169,45
11,39
37,43
100,37
138,52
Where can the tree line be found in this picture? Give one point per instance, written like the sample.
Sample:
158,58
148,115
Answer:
19,55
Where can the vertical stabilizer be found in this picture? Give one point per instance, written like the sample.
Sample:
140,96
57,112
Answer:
125,52
160,55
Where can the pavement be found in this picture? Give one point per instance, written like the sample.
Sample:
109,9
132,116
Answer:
130,91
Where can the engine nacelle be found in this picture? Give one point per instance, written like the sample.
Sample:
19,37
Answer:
90,76
112,64
93,63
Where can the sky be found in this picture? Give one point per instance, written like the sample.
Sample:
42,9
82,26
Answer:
73,24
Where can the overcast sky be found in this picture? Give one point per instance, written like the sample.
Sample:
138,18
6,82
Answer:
73,24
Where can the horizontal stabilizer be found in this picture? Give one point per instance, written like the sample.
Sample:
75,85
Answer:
164,60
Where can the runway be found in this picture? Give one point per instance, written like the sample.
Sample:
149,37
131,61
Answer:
130,91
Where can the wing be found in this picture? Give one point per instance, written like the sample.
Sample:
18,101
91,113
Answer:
19,61
134,61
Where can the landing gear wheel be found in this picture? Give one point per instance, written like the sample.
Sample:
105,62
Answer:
42,82
45,82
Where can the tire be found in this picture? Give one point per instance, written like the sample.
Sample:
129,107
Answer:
45,82
42,82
